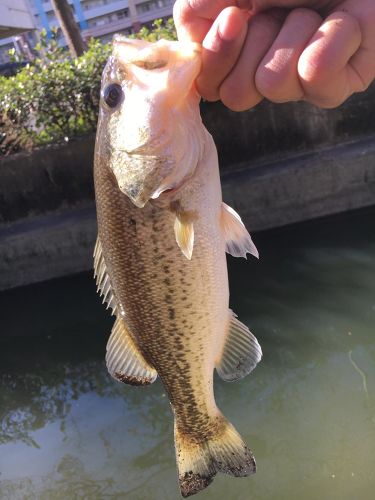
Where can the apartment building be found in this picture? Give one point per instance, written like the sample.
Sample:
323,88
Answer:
96,18
15,18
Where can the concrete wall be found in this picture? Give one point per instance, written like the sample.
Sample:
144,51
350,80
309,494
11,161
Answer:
280,164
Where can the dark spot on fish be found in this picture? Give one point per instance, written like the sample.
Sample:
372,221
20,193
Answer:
134,190
168,299
131,379
175,206
132,222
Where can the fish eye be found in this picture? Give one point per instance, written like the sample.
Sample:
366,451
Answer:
112,94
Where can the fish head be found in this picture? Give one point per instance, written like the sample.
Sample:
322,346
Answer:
149,112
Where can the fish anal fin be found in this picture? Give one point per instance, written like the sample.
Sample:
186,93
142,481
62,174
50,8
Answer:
184,231
199,461
238,240
241,352
103,281
124,360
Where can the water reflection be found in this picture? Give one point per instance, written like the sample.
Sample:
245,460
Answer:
68,431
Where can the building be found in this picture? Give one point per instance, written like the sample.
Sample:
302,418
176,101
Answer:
96,18
15,18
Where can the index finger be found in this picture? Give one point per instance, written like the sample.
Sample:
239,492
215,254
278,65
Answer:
194,18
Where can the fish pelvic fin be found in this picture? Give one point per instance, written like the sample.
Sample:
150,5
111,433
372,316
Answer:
238,240
198,461
124,360
241,352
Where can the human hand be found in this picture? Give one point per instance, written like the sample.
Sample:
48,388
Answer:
321,51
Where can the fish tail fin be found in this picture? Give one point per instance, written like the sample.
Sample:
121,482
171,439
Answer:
198,461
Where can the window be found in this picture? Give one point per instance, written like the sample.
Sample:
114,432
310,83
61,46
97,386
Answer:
122,14
146,7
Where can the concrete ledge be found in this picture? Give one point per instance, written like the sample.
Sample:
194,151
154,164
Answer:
304,187
266,195
50,178
46,247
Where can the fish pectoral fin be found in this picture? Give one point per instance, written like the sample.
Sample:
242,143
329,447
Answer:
241,352
124,360
184,233
103,281
238,240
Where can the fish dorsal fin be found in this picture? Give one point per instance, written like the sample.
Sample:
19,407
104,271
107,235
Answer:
184,233
103,282
124,360
238,240
241,352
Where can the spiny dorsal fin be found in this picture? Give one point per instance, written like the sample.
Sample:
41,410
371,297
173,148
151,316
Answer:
103,282
124,360
238,240
241,353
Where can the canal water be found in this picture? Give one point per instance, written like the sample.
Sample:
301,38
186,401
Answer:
68,431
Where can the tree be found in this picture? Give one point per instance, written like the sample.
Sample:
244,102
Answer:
69,27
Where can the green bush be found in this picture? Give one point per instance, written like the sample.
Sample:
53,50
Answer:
160,29
55,97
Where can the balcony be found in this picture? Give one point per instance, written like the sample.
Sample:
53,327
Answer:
104,29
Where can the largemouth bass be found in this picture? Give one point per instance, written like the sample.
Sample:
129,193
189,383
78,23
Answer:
160,262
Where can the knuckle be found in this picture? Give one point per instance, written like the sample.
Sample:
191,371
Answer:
208,92
237,99
302,14
278,87
312,73
326,102
268,25
268,82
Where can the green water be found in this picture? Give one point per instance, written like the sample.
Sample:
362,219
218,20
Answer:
68,431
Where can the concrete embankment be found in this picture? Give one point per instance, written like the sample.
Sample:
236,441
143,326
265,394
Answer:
280,164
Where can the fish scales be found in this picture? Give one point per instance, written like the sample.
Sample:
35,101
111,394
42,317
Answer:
162,236
183,317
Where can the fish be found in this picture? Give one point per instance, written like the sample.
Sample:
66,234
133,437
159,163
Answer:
160,256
